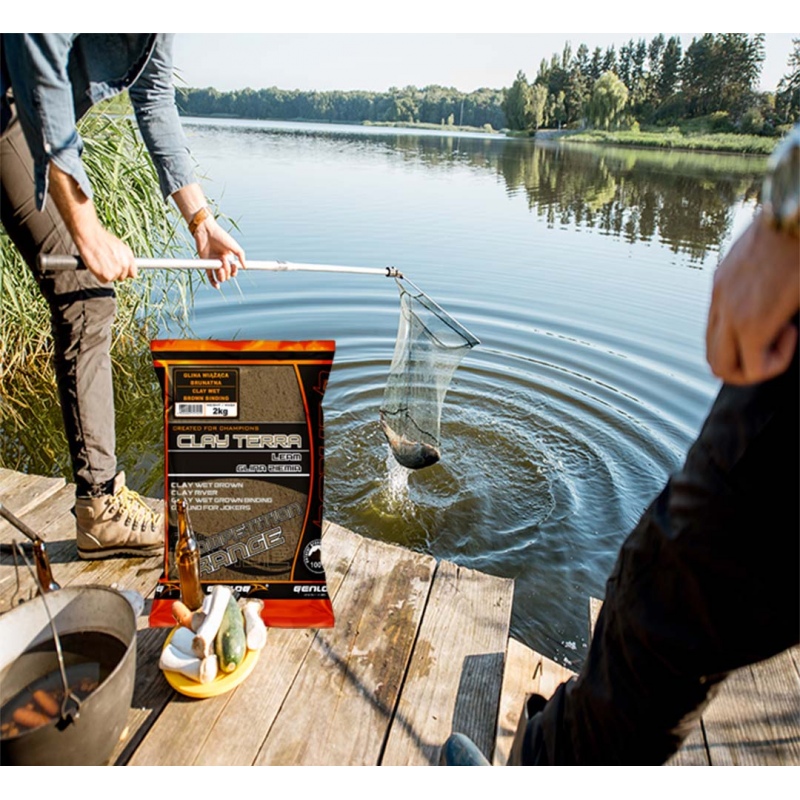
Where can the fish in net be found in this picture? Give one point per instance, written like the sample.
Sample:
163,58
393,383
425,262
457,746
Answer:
430,345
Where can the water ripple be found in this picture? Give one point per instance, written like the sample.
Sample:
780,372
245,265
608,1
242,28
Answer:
589,383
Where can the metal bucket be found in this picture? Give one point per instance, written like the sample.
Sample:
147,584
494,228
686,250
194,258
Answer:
88,734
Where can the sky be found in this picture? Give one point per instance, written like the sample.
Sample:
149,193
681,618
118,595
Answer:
364,44
375,62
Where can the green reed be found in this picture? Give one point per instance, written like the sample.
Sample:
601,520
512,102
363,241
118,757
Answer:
674,138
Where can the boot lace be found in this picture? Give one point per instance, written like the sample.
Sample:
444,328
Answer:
130,504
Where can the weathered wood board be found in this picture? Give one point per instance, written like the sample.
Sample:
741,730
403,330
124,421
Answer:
527,672
455,676
419,649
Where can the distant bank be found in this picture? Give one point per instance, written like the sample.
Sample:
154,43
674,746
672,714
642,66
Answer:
675,139
668,139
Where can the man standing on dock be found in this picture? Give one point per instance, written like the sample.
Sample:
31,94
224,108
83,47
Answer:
47,83
709,579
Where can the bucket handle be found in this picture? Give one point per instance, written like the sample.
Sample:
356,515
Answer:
67,716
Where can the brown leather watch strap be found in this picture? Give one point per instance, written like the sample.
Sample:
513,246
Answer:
199,216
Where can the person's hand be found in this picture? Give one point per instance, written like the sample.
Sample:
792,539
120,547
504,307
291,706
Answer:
109,258
214,242
750,336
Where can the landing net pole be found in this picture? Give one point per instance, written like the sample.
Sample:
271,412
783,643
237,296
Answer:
49,262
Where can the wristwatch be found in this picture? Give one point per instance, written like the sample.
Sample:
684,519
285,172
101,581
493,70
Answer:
781,190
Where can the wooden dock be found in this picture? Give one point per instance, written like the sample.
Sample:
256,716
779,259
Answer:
420,648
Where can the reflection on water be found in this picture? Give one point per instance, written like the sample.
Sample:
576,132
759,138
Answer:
584,272
683,200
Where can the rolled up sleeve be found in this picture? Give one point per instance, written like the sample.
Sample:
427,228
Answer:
37,67
153,99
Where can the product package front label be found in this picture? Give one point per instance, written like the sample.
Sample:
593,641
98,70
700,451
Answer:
244,442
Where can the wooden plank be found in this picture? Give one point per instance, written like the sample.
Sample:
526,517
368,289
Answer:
735,724
6,475
150,692
9,481
63,556
340,705
779,687
186,730
59,534
456,671
239,732
693,751
40,517
594,612
68,570
755,717
527,672
41,520
22,493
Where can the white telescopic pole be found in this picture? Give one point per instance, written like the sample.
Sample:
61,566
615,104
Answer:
59,262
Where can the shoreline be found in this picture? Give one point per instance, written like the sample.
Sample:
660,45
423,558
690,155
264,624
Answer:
715,143
669,140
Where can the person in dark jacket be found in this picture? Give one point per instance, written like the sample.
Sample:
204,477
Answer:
709,579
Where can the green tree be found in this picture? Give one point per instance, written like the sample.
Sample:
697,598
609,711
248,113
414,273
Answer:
581,62
558,109
610,59
596,64
538,106
576,92
667,81
700,75
638,84
787,97
624,63
654,52
720,72
609,98
517,104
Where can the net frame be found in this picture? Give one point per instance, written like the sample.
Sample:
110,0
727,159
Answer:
429,347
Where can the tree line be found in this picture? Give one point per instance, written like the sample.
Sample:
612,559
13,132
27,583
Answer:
432,105
651,83
657,83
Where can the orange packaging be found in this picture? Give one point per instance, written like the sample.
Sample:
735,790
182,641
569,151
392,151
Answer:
244,447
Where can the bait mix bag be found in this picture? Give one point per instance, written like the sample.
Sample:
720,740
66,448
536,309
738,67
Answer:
244,447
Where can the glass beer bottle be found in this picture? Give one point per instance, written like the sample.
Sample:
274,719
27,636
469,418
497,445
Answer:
187,557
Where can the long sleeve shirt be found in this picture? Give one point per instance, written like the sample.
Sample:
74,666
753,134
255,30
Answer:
56,77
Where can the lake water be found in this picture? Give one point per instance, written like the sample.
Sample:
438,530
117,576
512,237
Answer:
585,273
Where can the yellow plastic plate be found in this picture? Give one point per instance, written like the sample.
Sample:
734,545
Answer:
224,682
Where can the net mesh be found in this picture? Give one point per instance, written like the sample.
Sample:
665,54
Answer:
430,345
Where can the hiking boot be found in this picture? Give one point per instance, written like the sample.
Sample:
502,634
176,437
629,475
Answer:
118,524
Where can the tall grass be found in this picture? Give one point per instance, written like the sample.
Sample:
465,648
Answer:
129,203
673,138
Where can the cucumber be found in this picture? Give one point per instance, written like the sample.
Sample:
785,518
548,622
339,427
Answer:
231,642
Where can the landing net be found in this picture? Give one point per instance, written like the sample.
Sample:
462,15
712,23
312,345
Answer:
430,345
